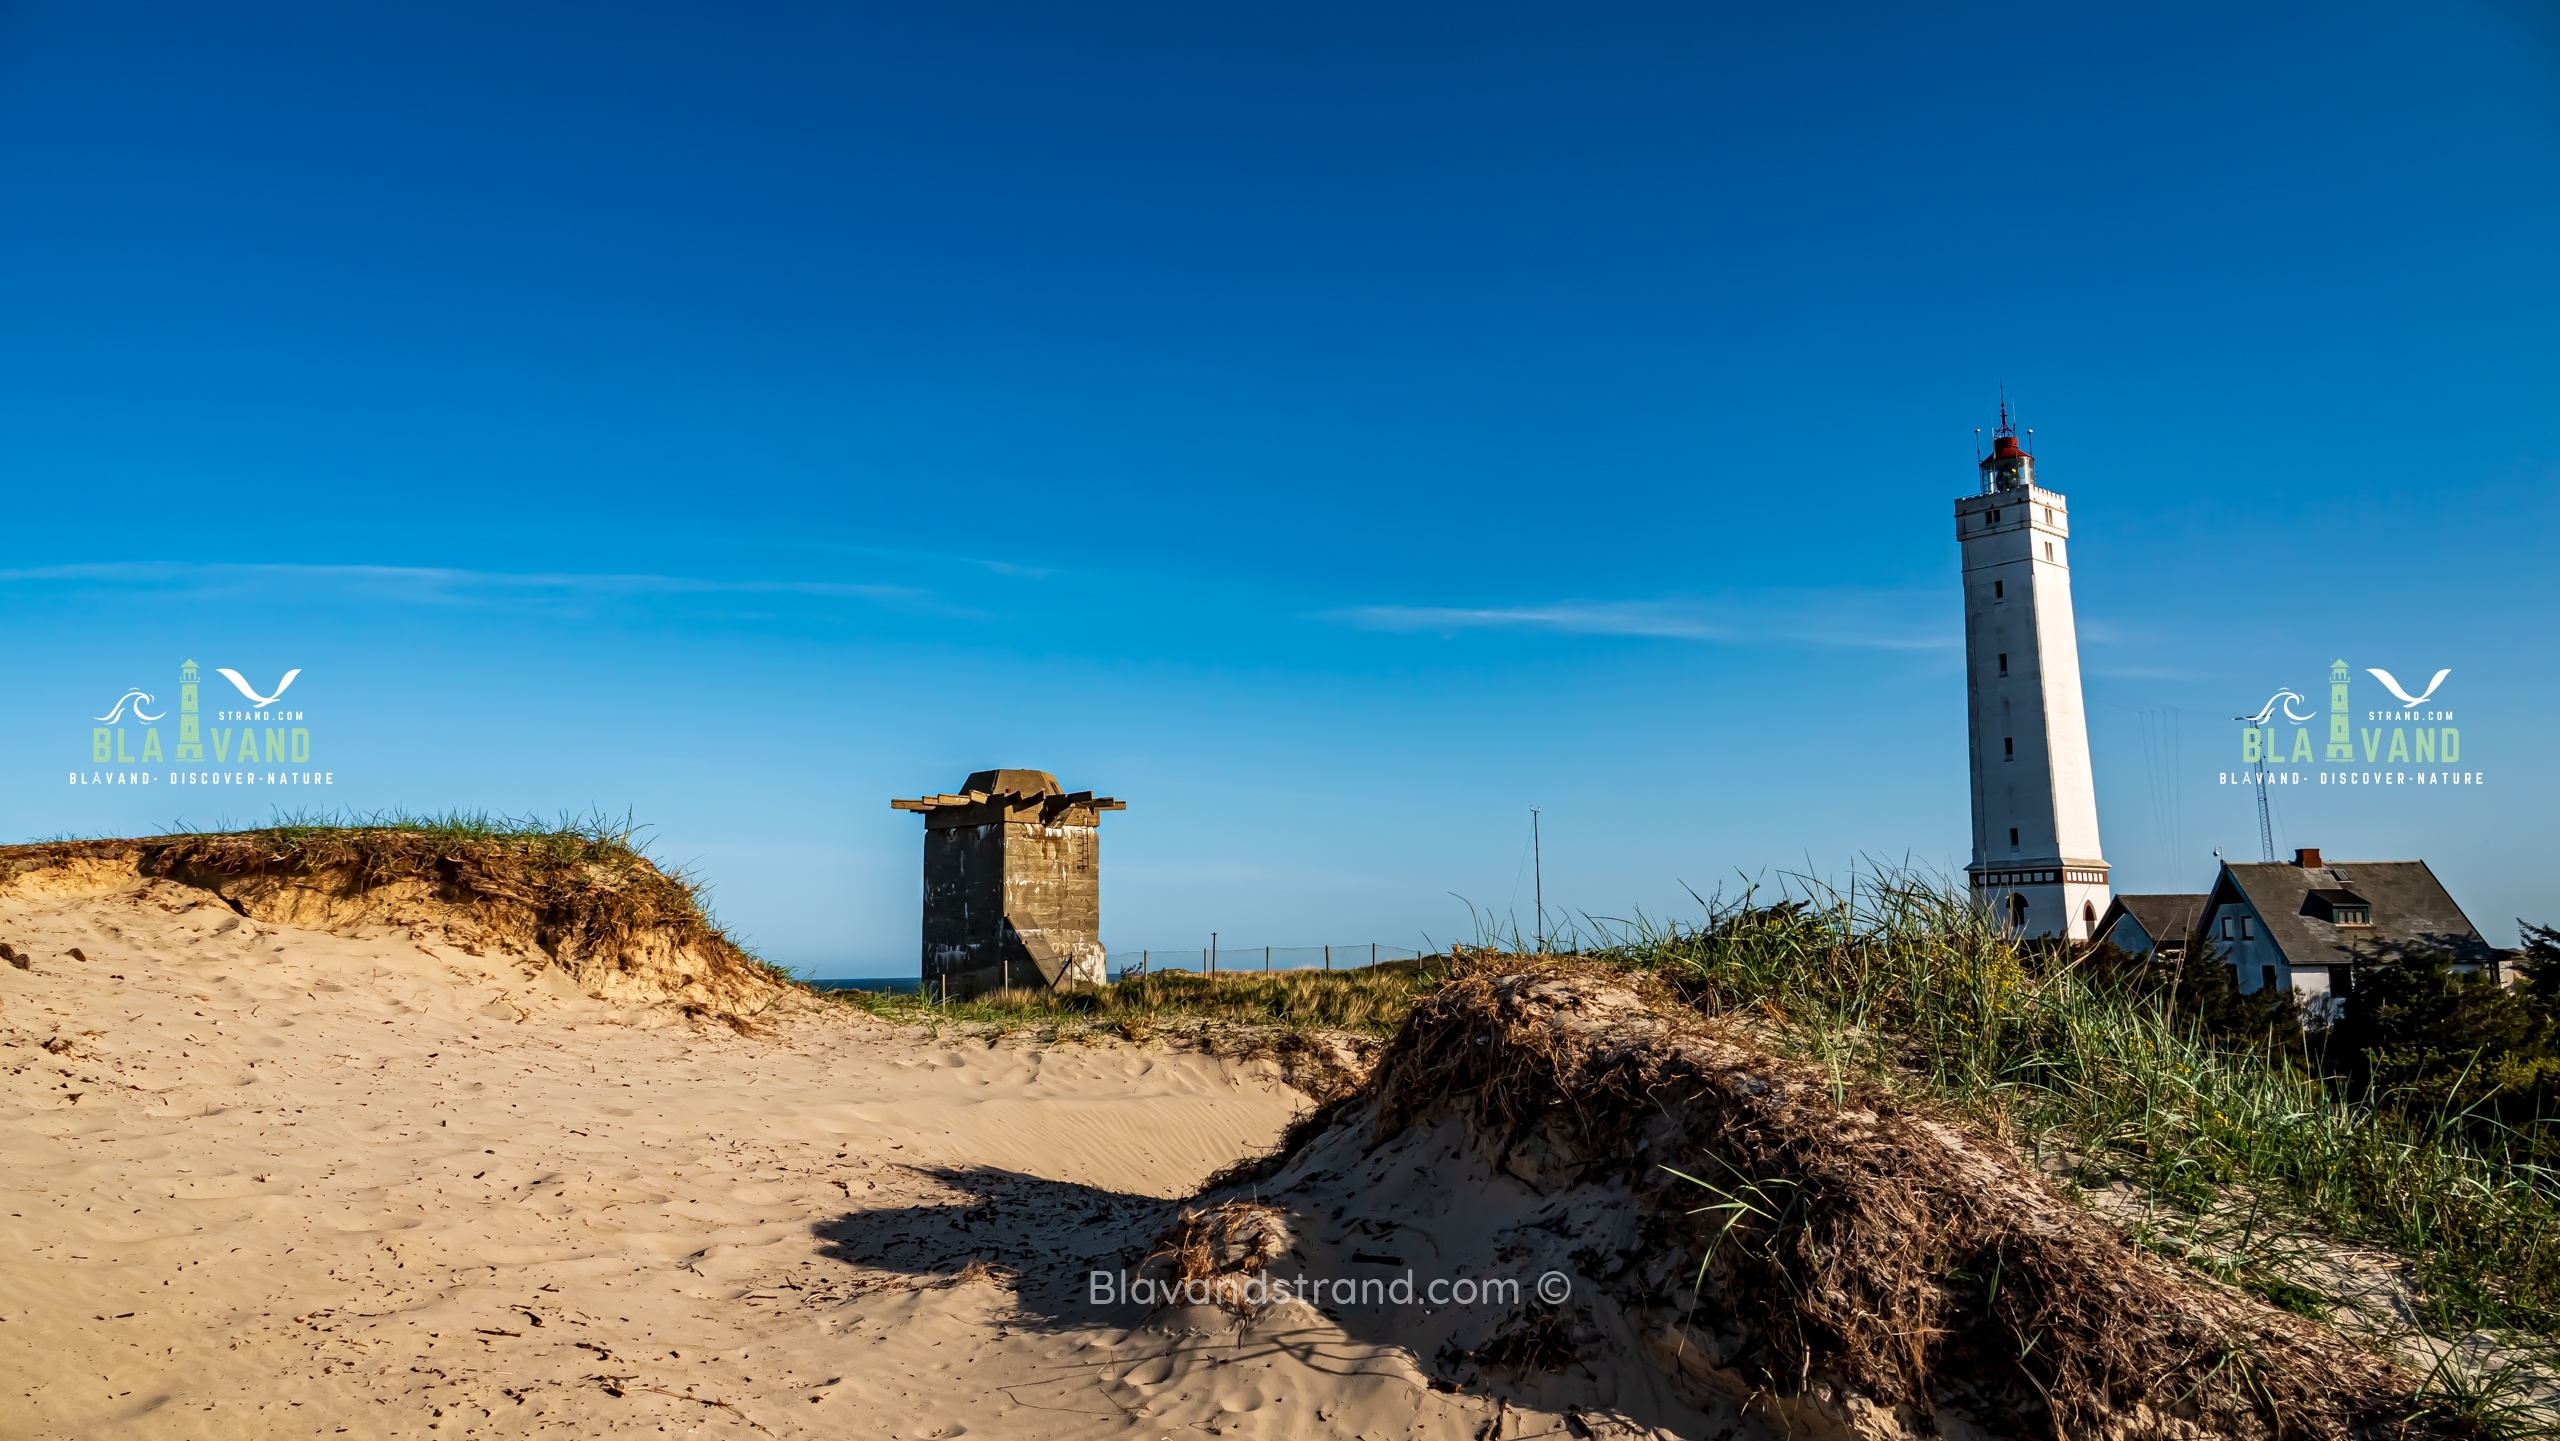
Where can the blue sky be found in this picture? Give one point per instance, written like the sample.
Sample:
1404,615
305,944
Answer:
1332,431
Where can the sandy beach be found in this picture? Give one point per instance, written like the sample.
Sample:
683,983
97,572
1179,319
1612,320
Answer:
262,1181
515,1142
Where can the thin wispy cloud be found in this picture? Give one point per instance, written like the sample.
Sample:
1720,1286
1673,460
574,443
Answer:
1872,620
437,585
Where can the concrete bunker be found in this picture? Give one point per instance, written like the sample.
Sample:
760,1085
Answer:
1012,884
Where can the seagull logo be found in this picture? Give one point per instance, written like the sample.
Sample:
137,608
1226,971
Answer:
263,701
2287,698
2406,699
139,698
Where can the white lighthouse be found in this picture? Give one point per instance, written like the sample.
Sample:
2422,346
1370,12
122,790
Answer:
2036,862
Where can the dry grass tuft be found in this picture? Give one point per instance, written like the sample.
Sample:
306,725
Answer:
1211,1254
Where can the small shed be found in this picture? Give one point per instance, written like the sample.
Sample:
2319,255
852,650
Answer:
1012,884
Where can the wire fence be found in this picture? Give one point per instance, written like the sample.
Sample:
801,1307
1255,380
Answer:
1218,959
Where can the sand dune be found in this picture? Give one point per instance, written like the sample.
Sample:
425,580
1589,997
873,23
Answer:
261,1181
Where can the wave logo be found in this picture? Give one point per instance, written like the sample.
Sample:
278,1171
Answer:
138,699
2266,712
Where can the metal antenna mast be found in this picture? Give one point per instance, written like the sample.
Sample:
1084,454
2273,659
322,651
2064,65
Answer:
2266,827
1538,865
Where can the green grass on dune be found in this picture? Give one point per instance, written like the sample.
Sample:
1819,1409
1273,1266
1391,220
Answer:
567,835
1371,1000
2228,1142
563,855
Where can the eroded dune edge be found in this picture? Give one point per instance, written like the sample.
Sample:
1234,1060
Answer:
405,1141
1868,1270
596,909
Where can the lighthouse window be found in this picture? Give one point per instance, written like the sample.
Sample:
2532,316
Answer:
1998,589
2048,515
2004,662
2013,838
2048,550
2008,745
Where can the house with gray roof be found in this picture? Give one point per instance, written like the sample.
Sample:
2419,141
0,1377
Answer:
2151,925
2305,926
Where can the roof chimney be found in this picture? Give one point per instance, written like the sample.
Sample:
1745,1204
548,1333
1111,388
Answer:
2308,860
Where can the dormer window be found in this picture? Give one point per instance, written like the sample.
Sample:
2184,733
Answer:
2338,908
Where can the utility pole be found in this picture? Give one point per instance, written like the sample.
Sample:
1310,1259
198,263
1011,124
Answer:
1538,870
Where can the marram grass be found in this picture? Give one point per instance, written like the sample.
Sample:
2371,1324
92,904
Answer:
2230,1144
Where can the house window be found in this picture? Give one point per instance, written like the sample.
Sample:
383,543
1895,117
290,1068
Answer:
1991,516
2004,662
2355,915
2266,978
2013,838
2008,745
1998,589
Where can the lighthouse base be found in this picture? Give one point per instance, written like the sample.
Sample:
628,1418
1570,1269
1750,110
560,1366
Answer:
2044,899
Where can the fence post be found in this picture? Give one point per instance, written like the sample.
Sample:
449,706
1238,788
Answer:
1373,953
1328,958
1266,960
1213,953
